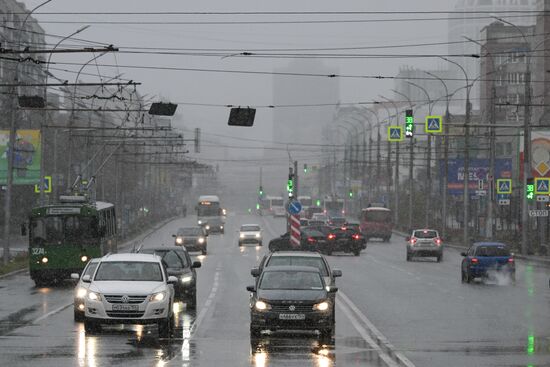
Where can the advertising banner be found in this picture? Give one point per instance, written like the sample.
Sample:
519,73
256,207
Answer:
478,170
26,159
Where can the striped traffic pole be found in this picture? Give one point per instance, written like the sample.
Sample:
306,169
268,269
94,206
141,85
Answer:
295,230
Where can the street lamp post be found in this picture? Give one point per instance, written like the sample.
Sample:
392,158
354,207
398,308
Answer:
388,161
11,143
396,181
466,192
428,158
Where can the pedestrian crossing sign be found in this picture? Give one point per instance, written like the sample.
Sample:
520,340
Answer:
434,124
46,185
395,133
542,185
504,186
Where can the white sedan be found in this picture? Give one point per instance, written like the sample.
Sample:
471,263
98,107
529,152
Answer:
251,234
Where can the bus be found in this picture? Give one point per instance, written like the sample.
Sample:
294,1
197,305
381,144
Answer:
209,207
376,222
64,236
334,207
273,205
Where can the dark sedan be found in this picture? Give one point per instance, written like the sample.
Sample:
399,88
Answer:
193,238
178,263
310,240
291,298
346,239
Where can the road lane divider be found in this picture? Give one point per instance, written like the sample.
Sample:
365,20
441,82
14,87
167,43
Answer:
51,313
208,303
369,332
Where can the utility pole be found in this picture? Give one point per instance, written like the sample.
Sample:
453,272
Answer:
296,181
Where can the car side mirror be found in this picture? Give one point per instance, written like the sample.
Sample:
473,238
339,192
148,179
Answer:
174,236
463,254
172,280
75,276
337,273
255,272
251,288
332,289
196,264
23,229
87,279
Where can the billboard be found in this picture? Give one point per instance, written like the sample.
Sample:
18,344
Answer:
26,159
540,150
478,170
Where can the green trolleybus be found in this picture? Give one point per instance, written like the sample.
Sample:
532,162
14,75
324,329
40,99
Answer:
64,236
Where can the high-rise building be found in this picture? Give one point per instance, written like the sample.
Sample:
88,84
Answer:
469,18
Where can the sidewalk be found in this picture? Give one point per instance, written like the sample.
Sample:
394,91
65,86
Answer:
531,258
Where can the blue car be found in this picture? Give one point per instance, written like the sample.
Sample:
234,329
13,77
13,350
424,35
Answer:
483,257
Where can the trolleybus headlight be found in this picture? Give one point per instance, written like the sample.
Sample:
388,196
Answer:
84,258
44,260
179,240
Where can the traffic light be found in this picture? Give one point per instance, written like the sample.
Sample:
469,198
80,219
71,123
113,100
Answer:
318,202
530,189
350,194
290,185
409,124
258,206
305,167
261,191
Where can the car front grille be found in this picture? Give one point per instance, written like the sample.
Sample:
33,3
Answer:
131,299
297,308
125,314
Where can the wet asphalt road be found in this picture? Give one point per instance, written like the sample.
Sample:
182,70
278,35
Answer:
428,317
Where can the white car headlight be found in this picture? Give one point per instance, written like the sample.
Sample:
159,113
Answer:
221,227
93,296
157,297
258,235
199,222
186,279
179,240
241,235
323,306
262,306
201,240
81,292
207,227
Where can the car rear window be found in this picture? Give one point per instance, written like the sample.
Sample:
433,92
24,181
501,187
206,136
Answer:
315,262
425,234
492,251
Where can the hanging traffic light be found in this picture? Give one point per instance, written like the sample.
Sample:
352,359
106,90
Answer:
318,202
409,124
350,194
261,191
530,189
305,167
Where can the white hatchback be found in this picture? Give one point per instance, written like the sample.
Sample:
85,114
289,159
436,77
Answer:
129,289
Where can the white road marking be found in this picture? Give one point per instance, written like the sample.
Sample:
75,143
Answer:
57,310
387,349
208,302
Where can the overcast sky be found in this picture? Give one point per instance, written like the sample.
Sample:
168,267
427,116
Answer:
220,88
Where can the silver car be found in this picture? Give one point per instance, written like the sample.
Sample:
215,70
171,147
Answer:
424,243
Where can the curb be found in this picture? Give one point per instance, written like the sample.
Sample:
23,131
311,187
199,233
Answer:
517,256
123,246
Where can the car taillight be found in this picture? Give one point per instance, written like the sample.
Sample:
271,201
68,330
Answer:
437,241
311,240
331,236
355,236
511,260
413,241
474,261
344,228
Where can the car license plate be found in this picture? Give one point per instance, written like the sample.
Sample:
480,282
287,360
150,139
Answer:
292,316
125,308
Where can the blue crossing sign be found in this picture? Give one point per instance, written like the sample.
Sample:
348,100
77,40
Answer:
295,207
542,185
46,185
395,133
504,186
434,124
